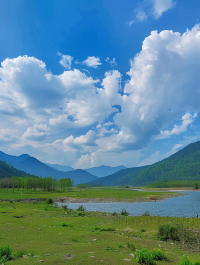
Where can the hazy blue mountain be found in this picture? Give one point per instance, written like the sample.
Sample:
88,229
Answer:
60,168
13,160
33,166
183,165
117,178
103,171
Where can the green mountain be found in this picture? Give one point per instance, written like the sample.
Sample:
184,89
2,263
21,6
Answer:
183,165
7,171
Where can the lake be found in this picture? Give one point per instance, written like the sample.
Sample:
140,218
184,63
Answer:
183,206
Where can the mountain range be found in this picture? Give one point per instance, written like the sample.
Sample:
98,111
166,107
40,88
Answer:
103,171
183,165
33,166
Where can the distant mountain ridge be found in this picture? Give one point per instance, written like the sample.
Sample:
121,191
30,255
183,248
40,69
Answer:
103,171
183,165
33,166
60,168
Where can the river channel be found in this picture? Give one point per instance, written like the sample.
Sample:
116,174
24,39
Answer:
182,206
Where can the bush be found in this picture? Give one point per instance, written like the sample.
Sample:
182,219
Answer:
64,207
131,246
143,256
5,253
81,208
114,213
124,212
80,214
167,232
186,261
66,225
146,214
147,257
49,201
158,255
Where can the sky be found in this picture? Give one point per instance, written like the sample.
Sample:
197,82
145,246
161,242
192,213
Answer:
87,83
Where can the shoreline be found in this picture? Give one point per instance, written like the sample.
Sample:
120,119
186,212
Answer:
106,200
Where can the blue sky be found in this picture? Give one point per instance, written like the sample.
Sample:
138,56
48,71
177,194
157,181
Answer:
87,83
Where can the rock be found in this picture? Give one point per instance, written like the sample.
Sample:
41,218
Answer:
127,259
92,256
47,254
132,255
25,256
41,260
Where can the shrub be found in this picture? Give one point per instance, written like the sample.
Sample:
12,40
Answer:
81,208
80,214
158,255
167,232
49,201
64,207
5,253
146,214
124,212
142,230
143,256
147,257
131,246
120,246
186,261
114,213
66,225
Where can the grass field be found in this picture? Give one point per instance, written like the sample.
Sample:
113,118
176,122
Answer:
117,194
44,232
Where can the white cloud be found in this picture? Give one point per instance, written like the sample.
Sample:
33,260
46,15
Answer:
92,61
36,133
161,6
155,157
164,84
66,61
141,16
187,119
131,22
111,62
151,8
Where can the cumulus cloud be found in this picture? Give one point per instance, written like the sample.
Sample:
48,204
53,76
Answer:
164,84
187,119
66,60
36,133
92,61
163,89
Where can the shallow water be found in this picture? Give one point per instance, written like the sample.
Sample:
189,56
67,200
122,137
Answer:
183,206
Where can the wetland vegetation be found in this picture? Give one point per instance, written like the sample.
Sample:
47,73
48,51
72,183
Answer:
40,231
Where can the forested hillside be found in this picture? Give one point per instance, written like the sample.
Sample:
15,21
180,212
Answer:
7,171
183,165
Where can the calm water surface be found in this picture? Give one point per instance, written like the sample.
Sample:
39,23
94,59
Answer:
183,206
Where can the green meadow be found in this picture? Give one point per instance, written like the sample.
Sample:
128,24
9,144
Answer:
117,194
40,232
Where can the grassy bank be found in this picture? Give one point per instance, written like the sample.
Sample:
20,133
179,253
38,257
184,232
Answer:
102,194
42,232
